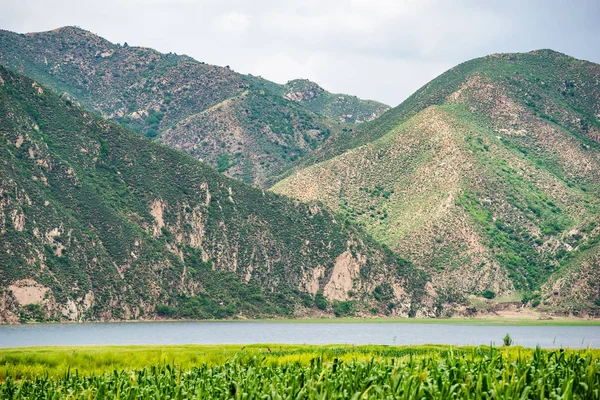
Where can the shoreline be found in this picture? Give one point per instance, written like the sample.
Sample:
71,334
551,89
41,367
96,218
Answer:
492,321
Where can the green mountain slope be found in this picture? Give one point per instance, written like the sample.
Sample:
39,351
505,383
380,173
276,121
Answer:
487,177
543,78
180,100
100,223
250,136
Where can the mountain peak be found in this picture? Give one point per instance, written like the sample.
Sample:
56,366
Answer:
302,89
65,30
548,52
72,35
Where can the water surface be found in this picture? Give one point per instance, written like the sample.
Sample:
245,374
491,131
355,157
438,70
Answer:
230,332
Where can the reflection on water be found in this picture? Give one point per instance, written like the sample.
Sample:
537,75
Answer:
294,332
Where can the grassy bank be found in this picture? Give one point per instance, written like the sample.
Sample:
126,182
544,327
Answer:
298,371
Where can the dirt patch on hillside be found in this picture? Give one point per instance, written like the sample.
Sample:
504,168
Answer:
19,141
28,291
18,220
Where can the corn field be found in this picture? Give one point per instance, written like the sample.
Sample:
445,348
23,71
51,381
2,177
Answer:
478,374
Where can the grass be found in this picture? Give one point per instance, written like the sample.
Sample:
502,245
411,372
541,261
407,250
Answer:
298,371
55,361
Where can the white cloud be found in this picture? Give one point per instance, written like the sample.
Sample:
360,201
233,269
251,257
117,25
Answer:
232,22
381,49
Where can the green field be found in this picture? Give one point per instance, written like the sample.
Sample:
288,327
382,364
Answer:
265,371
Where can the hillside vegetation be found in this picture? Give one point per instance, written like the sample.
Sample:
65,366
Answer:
247,127
487,177
100,223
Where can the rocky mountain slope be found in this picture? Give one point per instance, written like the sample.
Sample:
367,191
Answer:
487,177
100,223
247,127
335,106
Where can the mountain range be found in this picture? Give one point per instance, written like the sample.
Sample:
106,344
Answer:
479,192
246,126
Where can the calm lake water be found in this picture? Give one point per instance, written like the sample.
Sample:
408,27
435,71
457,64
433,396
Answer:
293,332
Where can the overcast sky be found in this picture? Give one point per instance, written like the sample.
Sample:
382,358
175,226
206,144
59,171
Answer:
376,49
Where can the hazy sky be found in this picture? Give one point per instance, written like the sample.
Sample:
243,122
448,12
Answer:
377,49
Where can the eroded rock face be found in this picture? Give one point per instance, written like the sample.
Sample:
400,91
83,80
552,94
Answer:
345,271
27,292
156,210
311,280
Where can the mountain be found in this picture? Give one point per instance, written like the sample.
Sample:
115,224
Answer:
487,177
335,106
247,127
100,223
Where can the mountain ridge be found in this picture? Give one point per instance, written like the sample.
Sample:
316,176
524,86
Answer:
154,93
433,92
505,148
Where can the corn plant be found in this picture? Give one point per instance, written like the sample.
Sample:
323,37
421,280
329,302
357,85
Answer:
476,374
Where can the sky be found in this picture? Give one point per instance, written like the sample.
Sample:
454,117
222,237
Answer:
375,49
